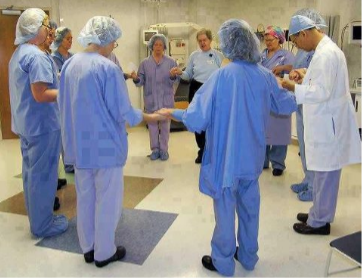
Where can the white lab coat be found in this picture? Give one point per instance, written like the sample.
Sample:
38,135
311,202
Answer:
330,127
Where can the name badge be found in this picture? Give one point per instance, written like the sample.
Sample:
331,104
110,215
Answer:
211,62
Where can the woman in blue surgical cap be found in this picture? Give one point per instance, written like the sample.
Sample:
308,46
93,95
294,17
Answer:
157,79
35,118
95,108
62,44
278,133
233,107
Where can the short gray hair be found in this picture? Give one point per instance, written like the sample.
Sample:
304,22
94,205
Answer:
157,37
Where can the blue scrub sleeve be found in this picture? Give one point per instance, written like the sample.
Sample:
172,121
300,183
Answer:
187,74
40,70
141,76
197,116
289,59
282,102
178,114
117,99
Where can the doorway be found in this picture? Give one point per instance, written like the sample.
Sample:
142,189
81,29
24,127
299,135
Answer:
7,47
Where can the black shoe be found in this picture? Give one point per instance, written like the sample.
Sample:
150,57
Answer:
277,172
302,217
236,253
207,263
198,159
303,228
69,169
119,255
61,183
89,257
56,205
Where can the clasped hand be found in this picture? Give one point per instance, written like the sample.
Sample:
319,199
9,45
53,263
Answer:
166,112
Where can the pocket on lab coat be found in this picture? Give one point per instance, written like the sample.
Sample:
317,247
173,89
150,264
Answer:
321,130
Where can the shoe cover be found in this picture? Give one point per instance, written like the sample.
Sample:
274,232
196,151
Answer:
155,155
306,196
59,226
164,156
299,187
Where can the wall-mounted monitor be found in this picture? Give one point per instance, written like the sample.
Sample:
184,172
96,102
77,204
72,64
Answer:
355,32
147,34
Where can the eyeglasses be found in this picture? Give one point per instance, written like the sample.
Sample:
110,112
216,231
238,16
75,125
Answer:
293,39
115,45
270,40
46,26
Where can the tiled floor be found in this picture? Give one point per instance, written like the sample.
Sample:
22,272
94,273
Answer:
282,252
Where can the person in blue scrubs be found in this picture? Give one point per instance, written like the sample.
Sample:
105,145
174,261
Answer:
33,86
278,132
61,45
94,107
304,189
233,107
46,48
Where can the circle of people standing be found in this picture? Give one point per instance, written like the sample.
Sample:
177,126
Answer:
234,106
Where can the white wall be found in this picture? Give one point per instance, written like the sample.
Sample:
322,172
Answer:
350,11
75,14
135,14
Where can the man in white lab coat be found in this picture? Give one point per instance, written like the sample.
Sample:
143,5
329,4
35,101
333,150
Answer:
330,128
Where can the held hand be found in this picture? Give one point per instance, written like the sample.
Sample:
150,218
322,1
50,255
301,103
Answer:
278,70
289,85
128,75
175,71
279,81
167,112
297,75
154,117
134,75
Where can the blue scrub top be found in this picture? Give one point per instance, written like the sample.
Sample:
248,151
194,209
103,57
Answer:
302,59
30,65
233,107
202,64
94,106
157,83
60,60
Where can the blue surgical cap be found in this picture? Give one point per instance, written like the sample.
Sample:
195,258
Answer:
60,34
305,19
28,25
238,41
100,30
313,15
156,37
53,24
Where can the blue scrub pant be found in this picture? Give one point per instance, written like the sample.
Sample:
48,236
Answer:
245,199
308,175
159,135
99,207
325,193
276,154
40,179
